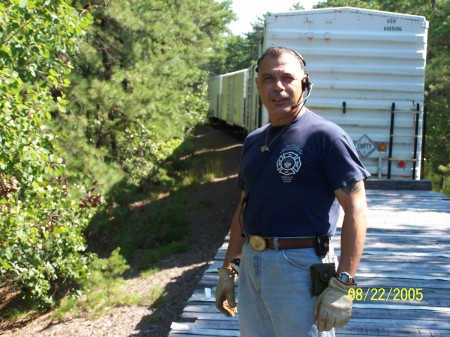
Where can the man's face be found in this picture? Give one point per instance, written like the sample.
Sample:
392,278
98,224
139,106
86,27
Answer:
279,86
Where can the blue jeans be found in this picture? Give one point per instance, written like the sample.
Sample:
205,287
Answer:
275,293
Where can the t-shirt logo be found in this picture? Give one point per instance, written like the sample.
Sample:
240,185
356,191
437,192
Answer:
288,164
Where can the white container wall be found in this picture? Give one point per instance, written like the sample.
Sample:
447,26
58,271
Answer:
214,94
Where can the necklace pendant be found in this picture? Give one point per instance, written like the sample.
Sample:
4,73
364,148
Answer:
264,148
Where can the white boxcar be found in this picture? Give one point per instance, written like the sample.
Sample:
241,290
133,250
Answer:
227,96
368,70
234,99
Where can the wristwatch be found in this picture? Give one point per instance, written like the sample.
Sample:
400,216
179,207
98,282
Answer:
345,278
235,264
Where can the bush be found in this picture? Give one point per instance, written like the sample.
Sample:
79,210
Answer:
41,241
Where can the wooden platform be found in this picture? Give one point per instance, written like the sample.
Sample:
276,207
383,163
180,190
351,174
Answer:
404,275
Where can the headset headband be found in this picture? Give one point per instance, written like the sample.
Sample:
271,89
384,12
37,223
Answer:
286,49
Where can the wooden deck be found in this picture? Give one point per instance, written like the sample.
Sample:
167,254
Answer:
407,254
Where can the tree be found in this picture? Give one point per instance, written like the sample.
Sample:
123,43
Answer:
438,85
238,52
41,242
297,6
349,3
138,84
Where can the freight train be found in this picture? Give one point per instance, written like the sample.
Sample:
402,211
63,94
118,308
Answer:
368,70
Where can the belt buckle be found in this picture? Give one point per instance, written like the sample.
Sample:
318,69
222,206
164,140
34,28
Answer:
257,242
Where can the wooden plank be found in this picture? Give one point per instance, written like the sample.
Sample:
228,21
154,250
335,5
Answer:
406,193
380,281
406,270
419,236
190,329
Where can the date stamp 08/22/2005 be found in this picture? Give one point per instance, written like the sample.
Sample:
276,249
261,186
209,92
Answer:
385,294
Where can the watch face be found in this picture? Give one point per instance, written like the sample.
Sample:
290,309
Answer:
345,278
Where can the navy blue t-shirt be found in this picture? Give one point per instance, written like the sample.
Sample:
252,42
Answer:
290,188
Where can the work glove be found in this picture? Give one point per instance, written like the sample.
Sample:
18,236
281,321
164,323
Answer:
225,294
334,307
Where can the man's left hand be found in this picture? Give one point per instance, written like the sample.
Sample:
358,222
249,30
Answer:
334,307
225,293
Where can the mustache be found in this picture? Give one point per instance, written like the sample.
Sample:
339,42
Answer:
283,95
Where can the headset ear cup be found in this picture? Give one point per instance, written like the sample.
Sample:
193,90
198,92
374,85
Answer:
306,85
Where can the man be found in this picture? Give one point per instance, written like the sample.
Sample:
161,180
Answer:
295,172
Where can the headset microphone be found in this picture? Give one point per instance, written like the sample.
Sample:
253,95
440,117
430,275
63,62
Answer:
299,102
296,105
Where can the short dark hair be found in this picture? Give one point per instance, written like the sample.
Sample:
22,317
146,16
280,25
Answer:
277,52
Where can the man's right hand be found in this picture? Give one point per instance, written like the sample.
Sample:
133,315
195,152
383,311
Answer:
225,294
334,306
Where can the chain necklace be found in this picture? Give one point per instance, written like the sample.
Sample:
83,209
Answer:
266,147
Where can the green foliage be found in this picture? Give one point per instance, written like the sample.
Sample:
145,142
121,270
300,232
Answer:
105,271
41,242
149,232
138,82
439,178
297,6
153,223
238,52
152,256
85,163
438,87
105,276
149,145
445,170
104,288
349,3
136,90
445,174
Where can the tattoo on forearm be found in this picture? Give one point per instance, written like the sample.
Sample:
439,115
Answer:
351,188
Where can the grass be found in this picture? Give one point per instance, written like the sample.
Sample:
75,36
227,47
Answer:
150,272
104,289
97,302
152,256
19,314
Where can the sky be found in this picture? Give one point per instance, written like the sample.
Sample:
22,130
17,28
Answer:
248,11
